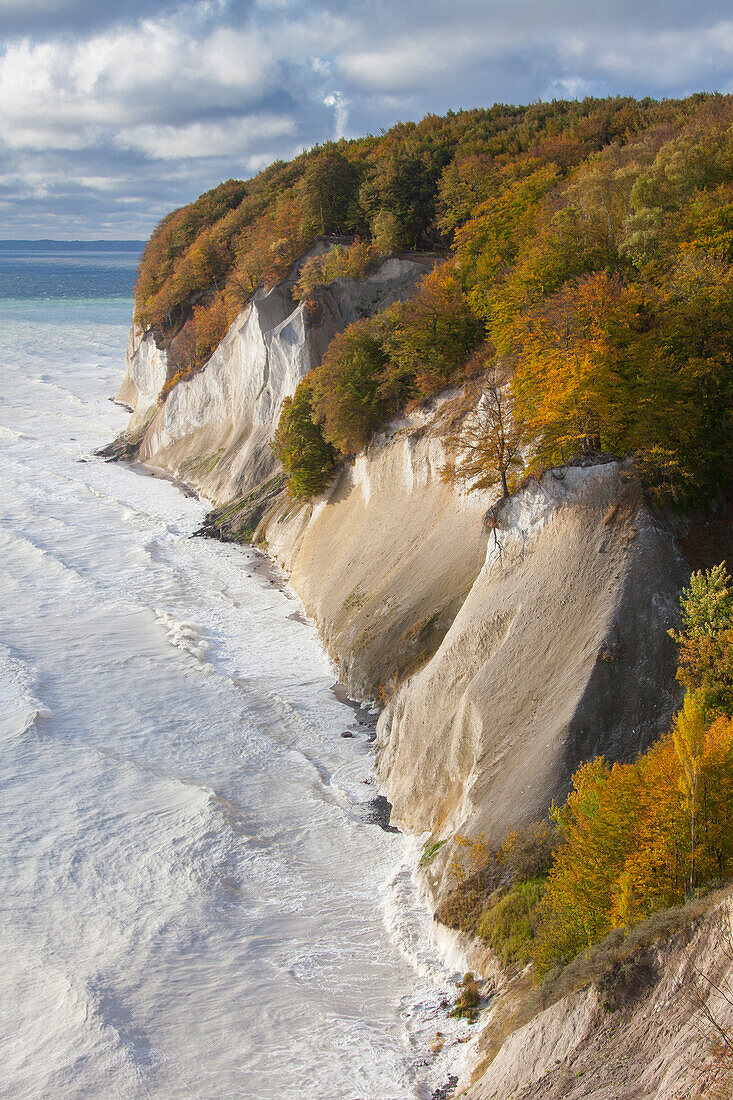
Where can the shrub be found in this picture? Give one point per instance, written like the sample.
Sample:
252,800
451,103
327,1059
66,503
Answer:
339,262
469,998
496,891
510,923
528,851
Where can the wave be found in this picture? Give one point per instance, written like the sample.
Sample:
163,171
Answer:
20,708
183,635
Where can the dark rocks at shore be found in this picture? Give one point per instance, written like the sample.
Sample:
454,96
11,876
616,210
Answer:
446,1091
379,811
122,449
237,520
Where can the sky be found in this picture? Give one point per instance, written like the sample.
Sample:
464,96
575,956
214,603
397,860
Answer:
113,112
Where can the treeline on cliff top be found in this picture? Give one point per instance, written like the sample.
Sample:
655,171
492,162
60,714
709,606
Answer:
588,265
632,839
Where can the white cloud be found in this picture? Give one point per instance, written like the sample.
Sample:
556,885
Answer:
413,60
340,106
200,139
101,183
571,87
665,56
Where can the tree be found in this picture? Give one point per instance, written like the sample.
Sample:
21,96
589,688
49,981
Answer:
329,188
488,446
689,740
487,244
465,183
575,364
347,398
385,233
429,337
706,639
300,446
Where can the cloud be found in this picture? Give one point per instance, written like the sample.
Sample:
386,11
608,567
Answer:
199,139
49,17
340,105
112,113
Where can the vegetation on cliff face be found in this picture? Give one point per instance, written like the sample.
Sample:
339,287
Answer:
300,446
588,254
631,839
600,283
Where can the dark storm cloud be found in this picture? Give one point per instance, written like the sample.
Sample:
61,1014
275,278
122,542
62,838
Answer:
112,113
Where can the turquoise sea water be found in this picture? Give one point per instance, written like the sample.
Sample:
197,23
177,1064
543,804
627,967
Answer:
39,274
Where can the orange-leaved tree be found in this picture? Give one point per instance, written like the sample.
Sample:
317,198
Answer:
490,445
640,837
575,361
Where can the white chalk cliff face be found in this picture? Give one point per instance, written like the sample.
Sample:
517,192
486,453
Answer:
145,372
215,430
551,629
559,653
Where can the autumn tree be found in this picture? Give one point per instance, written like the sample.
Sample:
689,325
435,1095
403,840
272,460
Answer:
490,242
639,837
464,184
488,447
689,739
706,639
575,364
429,336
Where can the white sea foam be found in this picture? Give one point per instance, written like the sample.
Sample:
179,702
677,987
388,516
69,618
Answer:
190,882
186,636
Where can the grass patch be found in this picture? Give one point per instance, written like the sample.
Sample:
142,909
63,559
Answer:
429,852
510,920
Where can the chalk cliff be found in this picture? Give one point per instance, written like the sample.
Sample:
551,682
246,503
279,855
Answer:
214,430
385,560
509,642
559,653
543,642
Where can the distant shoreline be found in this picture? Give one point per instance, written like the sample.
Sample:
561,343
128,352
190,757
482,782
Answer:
49,245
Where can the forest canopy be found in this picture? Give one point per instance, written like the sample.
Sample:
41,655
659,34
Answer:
587,255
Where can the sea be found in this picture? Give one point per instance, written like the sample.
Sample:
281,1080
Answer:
198,895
